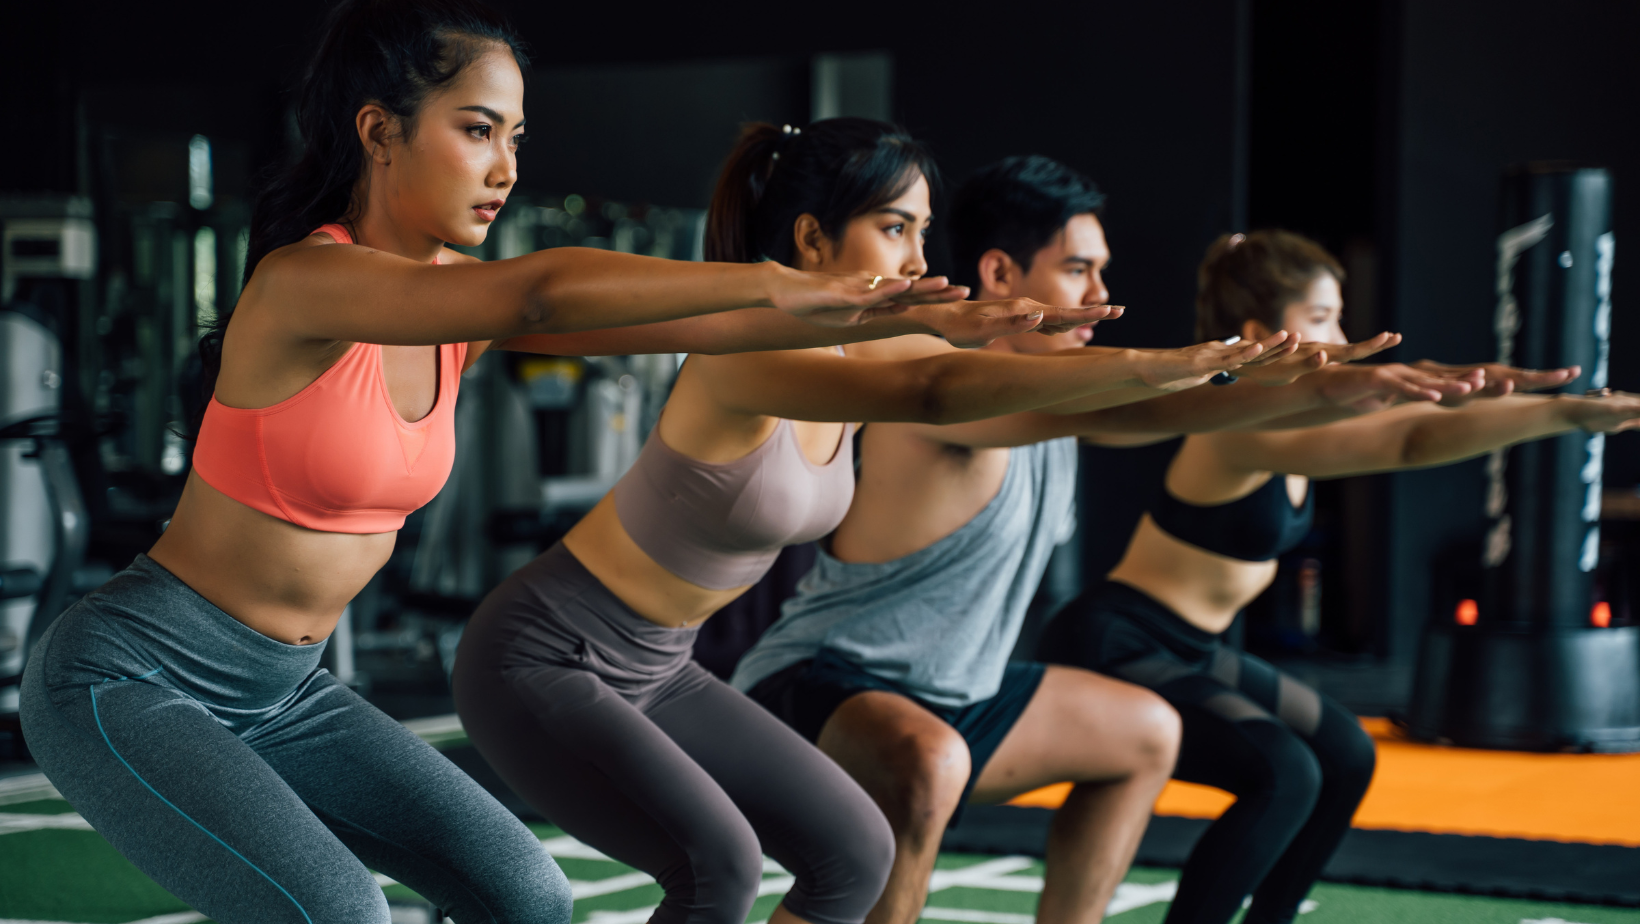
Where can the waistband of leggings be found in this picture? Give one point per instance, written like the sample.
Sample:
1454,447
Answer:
147,597
1155,618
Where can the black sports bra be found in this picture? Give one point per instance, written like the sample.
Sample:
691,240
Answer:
1258,527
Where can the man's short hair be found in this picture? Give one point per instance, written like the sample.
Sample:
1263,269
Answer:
1015,205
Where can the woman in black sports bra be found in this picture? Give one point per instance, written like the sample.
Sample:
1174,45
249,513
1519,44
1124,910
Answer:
1297,762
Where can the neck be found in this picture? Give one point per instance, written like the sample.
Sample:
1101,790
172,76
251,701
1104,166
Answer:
376,227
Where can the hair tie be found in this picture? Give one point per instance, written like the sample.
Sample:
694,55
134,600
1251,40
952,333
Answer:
787,133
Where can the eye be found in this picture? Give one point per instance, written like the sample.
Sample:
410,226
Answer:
481,130
1078,271
519,139
896,230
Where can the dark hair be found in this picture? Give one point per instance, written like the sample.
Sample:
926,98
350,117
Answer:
1254,277
391,52
1015,205
834,169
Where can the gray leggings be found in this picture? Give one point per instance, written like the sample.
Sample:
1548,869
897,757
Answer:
601,721
251,784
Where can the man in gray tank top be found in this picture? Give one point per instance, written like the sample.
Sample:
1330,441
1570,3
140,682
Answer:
893,656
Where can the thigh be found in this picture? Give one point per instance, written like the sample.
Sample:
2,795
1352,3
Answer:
195,808
1079,727
807,811
407,811
601,770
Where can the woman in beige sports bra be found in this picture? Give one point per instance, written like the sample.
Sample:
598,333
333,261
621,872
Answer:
574,678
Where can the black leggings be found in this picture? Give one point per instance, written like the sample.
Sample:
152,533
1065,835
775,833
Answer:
1297,762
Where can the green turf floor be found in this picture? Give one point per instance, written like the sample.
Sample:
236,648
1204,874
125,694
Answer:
53,868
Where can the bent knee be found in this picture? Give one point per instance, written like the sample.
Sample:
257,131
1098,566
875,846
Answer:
1158,732
1290,771
930,771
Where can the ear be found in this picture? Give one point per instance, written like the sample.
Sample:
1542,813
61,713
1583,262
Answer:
375,126
1254,330
999,276
812,245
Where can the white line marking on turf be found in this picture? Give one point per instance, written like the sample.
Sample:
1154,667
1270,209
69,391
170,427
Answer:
180,917
15,822
1308,905
436,726
633,916
579,889
983,875
26,788
976,917
1131,895
566,846
1522,921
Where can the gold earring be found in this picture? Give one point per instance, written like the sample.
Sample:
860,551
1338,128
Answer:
874,281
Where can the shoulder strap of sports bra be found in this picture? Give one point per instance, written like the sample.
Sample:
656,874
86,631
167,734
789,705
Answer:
336,231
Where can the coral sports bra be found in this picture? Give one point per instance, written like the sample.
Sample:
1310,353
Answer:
336,456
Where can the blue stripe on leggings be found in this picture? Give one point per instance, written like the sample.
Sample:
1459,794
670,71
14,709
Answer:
116,753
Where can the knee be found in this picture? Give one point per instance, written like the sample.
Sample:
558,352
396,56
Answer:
1350,758
929,769
1158,733
725,870
1291,774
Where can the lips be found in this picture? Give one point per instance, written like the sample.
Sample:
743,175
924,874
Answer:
488,210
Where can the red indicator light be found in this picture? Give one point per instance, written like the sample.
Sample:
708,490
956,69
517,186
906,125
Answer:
1468,612
1601,616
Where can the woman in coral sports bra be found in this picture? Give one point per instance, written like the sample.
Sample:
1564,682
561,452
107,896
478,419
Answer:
180,707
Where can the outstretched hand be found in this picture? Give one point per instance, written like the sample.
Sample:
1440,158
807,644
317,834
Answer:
975,324
847,299
1605,412
1176,370
1308,357
1373,388
1501,380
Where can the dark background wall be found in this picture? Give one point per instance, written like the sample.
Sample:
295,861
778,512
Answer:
1378,126
1479,86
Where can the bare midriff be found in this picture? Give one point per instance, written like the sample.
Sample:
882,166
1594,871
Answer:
285,581
601,544
1205,589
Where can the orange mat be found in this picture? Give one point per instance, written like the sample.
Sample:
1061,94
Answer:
1585,798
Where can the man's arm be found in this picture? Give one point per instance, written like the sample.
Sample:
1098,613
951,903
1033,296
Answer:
1338,389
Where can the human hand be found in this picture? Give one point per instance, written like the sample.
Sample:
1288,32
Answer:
1605,411
847,299
1501,380
1368,388
975,324
1308,357
1176,370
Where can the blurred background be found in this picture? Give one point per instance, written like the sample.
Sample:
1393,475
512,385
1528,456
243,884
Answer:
137,133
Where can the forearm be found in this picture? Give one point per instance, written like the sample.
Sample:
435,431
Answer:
973,385
577,289
745,330
1203,409
1450,435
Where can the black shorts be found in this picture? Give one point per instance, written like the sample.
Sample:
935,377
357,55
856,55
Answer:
805,695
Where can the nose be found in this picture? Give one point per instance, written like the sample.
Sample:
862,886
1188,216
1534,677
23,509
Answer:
916,264
504,169
1097,294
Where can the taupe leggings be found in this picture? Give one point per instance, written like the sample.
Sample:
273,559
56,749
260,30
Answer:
600,720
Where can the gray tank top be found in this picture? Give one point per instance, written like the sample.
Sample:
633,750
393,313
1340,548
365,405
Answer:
721,525
941,621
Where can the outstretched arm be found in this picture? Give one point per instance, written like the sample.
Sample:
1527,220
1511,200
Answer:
750,330
1205,409
947,385
1423,435
311,290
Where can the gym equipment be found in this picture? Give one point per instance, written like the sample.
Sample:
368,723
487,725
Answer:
1533,663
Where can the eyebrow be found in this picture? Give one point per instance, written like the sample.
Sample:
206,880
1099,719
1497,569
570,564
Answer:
890,210
487,111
